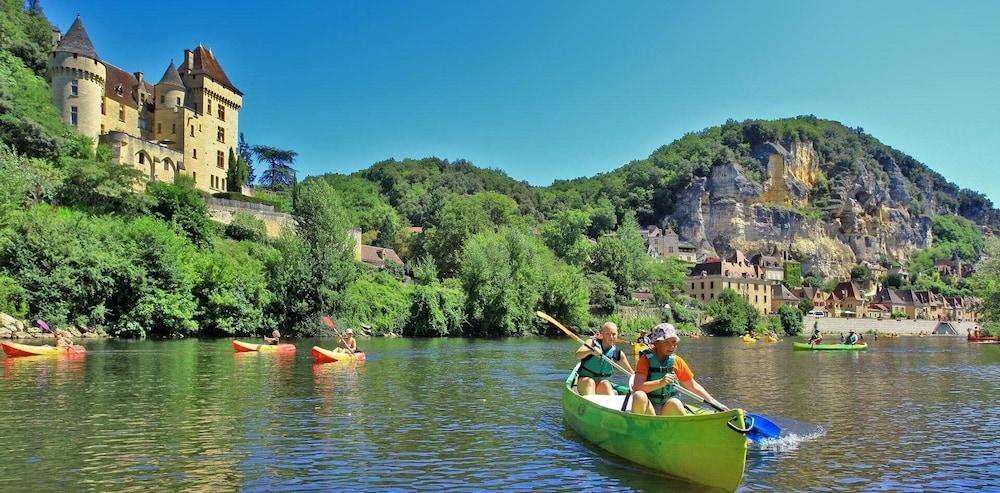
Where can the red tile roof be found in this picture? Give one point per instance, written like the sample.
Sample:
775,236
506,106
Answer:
206,63
378,255
122,86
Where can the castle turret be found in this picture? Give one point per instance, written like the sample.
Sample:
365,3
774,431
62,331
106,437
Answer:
169,101
78,79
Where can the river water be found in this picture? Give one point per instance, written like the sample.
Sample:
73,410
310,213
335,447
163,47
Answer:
456,414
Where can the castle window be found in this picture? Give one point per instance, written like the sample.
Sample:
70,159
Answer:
222,112
178,101
194,177
142,158
192,130
209,106
121,112
162,97
74,55
159,128
72,115
220,159
102,129
173,128
74,87
221,135
194,153
119,90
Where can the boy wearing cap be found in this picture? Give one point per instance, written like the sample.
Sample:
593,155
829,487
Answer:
594,374
349,342
657,372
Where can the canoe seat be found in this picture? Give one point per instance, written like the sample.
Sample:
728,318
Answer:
608,401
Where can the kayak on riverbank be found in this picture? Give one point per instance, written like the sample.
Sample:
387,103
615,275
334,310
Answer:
15,350
246,347
803,346
703,448
327,356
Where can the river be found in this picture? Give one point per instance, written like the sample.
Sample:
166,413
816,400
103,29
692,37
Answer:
459,414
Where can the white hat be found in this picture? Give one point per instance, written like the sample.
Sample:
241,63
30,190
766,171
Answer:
350,331
665,331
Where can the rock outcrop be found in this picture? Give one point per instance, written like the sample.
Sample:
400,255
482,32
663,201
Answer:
12,328
861,220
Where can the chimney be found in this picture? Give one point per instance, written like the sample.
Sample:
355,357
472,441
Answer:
188,60
56,38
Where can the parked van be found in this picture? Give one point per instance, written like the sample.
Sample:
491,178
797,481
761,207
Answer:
816,313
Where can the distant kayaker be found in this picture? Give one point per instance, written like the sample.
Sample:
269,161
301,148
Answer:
817,337
851,339
349,342
274,339
657,371
62,341
594,375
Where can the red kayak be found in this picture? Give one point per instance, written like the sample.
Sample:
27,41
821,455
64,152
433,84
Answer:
326,356
981,339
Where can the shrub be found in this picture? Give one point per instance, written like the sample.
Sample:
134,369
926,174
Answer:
790,319
246,227
731,315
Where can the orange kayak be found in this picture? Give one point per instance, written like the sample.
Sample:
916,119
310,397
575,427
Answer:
246,347
326,356
15,350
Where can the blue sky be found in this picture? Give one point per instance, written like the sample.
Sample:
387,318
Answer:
547,90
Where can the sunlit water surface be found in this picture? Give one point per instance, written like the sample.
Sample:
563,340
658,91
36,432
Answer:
451,414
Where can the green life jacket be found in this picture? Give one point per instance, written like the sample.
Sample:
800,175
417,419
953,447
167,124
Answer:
594,366
658,370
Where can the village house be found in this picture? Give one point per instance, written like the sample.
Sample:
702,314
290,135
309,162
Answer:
774,269
780,295
817,296
847,300
709,278
666,243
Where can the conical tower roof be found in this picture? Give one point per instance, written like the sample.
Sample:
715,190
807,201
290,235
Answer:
171,78
77,41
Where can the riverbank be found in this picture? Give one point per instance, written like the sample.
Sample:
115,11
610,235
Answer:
832,325
12,328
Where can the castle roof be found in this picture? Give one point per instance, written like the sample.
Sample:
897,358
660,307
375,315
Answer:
123,87
171,78
206,63
77,41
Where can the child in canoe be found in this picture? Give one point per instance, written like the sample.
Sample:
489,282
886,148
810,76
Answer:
594,375
657,371
274,339
817,337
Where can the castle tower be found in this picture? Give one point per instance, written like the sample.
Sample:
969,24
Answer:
169,96
78,78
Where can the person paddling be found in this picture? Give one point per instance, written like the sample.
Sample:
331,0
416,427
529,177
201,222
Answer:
274,339
851,339
817,337
594,374
658,370
348,341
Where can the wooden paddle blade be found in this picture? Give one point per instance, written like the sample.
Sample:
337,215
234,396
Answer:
329,322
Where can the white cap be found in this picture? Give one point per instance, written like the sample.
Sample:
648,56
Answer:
350,331
665,331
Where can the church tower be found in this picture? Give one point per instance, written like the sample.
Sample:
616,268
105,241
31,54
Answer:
78,78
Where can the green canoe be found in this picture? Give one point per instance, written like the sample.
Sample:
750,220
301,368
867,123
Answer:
703,448
802,346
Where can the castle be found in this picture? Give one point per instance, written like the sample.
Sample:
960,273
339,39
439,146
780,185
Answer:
186,123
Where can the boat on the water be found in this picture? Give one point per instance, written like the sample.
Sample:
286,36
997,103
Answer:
748,339
981,339
705,448
638,348
327,356
246,347
803,346
15,350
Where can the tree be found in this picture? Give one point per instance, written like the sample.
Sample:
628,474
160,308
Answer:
861,273
805,305
244,153
182,205
731,314
565,235
812,280
791,320
622,257
236,175
280,174
460,218
986,283
793,274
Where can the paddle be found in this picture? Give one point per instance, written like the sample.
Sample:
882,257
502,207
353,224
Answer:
329,323
763,427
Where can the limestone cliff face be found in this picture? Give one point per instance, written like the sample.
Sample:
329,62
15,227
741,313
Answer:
859,218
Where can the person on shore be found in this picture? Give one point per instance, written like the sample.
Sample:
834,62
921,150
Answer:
594,374
657,373
817,337
274,339
851,339
349,342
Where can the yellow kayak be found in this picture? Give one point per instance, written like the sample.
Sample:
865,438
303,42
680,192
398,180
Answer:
772,339
746,338
638,348
247,347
